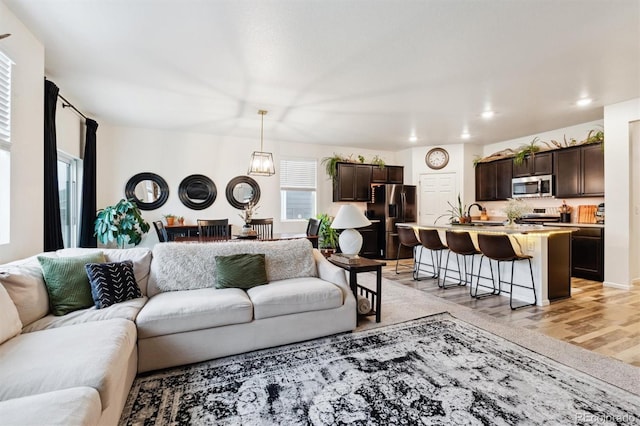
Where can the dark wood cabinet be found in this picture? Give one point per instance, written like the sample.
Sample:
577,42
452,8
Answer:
370,243
533,165
493,180
353,182
587,253
387,174
579,171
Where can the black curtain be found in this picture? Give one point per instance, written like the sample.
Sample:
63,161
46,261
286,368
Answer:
52,225
88,206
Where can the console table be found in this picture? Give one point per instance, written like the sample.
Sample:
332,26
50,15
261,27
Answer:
365,265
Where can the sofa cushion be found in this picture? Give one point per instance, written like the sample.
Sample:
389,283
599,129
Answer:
240,271
179,266
92,354
24,282
294,295
68,407
179,311
10,324
140,256
126,310
112,282
67,282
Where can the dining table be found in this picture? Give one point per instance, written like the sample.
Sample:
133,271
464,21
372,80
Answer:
238,237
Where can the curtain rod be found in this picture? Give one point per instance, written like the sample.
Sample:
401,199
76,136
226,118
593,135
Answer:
70,105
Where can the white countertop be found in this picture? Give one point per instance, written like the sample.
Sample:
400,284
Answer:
485,227
575,225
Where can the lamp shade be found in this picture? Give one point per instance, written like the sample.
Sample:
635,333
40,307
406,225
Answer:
349,216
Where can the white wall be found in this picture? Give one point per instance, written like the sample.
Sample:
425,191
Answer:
123,152
70,129
619,187
26,134
634,226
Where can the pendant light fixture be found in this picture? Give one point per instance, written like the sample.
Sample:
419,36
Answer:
261,162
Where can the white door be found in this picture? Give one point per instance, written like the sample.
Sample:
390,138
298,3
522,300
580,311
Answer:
436,190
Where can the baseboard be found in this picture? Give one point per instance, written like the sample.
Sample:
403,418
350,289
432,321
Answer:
616,285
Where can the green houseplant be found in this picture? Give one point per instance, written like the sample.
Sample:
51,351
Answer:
456,214
327,236
122,223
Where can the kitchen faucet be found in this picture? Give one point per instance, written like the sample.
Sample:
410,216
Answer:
474,204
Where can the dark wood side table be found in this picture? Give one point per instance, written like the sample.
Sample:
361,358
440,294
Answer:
365,265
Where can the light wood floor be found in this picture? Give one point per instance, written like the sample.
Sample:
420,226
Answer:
602,319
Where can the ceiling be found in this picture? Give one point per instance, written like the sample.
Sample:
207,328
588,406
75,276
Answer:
341,72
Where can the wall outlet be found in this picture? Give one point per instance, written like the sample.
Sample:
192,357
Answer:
531,244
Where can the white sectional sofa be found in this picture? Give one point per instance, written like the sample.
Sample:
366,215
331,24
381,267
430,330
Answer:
78,368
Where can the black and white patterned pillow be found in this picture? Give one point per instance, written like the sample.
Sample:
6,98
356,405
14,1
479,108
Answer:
112,282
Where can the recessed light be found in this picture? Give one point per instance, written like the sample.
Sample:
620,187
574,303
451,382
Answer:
583,101
465,135
488,114
413,138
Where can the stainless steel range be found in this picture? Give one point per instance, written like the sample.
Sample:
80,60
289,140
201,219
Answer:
540,216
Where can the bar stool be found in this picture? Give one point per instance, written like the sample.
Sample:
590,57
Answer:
461,244
430,240
498,247
407,238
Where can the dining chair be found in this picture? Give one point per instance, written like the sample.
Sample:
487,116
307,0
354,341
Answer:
264,228
313,227
213,229
163,237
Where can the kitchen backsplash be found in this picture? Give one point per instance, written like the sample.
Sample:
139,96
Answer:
494,208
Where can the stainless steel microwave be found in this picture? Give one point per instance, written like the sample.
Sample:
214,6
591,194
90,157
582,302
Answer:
532,186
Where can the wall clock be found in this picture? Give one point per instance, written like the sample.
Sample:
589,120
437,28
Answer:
437,158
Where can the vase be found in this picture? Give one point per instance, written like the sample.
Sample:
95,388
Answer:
246,228
511,223
170,221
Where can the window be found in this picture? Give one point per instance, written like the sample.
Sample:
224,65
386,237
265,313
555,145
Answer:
5,148
298,189
69,169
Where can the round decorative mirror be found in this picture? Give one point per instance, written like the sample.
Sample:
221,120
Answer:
197,192
148,190
241,190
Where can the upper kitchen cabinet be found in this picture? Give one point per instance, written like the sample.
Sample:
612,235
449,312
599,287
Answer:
493,180
387,174
352,182
580,171
538,164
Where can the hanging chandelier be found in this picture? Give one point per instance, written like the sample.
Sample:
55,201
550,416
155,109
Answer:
261,162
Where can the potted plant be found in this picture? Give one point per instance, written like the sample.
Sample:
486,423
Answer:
122,223
331,165
169,218
327,236
456,214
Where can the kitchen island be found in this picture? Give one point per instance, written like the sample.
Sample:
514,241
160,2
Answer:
549,246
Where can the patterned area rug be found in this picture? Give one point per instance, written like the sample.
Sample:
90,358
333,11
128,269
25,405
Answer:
433,370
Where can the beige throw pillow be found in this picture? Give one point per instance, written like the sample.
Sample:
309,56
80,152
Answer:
25,284
10,324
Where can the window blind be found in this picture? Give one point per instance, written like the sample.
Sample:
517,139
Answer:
298,174
5,102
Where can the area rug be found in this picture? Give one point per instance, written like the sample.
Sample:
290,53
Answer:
433,370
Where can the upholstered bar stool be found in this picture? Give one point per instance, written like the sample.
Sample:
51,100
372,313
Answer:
407,238
498,247
461,245
430,240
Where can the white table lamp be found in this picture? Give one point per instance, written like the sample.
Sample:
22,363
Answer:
349,217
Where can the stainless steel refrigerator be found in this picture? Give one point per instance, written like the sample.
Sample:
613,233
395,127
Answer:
393,204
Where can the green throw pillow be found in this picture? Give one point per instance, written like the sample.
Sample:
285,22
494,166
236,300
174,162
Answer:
67,282
241,271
